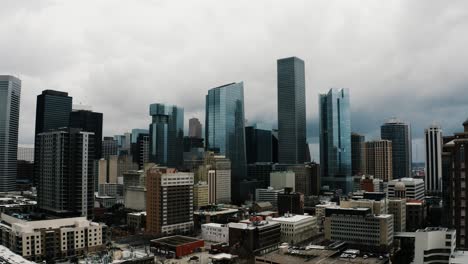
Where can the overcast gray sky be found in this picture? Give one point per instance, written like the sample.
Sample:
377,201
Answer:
398,58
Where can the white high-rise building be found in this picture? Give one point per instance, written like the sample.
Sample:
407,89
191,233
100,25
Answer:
433,139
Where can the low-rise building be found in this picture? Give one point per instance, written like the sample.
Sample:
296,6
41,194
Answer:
434,245
176,246
136,220
359,227
377,207
16,203
254,238
406,188
214,232
51,239
213,214
296,228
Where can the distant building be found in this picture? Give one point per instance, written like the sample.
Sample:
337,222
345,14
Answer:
268,195
359,227
258,144
283,179
200,195
52,239
434,245
195,128
415,215
335,140
255,238
399,133
433,139
376,206
397,207
135,198
109,147
260,171
218,175
176,246
192,142
307,178
137,220
166,134
89,121
26,154
169,201
378,159
140,147
290,202
291,111
124,143
213,232
406,188
358,154
369,184
296,228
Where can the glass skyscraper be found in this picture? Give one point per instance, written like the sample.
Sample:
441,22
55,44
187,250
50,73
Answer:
89,121
400,134
335,140
224,129
291,111
258,141
166,135
10,93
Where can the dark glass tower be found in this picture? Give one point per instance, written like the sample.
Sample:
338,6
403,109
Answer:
357,153
90,122
258,141
400,134
291,111
335,140
224,129
10,93
53,110
167,135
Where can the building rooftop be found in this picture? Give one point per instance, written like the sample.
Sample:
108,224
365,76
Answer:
8,257
292,219
175,240
407,180
216,212
432,229
137,213
22,225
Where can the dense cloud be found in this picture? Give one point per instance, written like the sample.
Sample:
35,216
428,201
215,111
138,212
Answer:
398,58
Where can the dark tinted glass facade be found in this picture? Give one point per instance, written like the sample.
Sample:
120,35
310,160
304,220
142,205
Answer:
166,135
224,129
291,111
400,135
258,141
10,93
90,122
357,153
335,140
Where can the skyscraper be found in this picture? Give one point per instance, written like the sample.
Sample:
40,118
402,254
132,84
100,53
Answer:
433,139
291,111
89,121
378,156
140,147
110,147
195,128
357,154
166,135
53,110
224,128
10,94
335,140
400,134
258,141
65,169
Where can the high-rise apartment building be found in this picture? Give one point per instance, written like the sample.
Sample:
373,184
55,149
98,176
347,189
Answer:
433,140
335,140
378,159
399,133
195,128
291,111
10,95
90,122
224,128
166,135
357,154
169,201
258,141
65,170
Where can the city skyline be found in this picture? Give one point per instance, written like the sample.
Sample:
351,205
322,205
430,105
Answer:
388,62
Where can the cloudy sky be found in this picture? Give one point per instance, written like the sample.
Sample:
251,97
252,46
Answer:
405,59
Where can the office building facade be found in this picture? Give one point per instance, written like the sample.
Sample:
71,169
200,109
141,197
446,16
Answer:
335,140
258,144
358,165
378,159
406,188
291,111
433,140
290,202
166,135
224,130
195,128
10,95
90,122
399,133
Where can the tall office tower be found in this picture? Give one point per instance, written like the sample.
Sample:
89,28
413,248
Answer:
224,128
124,143
433,181
357,154
89,121
10,94
109,147
65,172
140,147
169,201
258,142
195,128
291,111
53,110
166,135
400,134
335,140
457,151
379,159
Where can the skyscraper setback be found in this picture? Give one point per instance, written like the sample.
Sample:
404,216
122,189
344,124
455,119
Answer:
10,94
433,140
399,134
291,111
224,128
335,139
166,134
